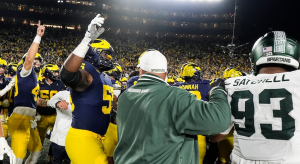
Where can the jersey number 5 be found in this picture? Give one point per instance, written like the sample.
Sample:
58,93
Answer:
107,97
279,101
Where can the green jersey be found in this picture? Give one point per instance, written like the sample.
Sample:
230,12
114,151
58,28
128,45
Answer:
158,123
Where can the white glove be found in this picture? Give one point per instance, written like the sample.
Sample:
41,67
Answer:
33,124
94,30
4,148
8,87
37,118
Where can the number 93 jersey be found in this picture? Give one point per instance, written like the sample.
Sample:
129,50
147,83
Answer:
266,116
92,107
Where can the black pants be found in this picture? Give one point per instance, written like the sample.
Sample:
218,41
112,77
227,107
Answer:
59,153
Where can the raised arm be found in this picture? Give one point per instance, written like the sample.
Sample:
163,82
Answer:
70,74
34,47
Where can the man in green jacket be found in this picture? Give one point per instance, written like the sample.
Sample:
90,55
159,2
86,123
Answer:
158,123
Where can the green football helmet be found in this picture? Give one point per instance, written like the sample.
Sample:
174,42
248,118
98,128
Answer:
276,48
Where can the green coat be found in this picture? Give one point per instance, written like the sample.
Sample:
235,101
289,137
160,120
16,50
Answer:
158,123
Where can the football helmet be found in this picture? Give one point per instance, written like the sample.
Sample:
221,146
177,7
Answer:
3,63
275,48
94,56
190,71
48,70
115,72
179,79
228,73
124,79
11,69
170,80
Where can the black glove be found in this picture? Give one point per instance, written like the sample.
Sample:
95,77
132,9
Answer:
218,83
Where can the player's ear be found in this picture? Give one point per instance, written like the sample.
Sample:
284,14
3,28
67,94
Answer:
141,72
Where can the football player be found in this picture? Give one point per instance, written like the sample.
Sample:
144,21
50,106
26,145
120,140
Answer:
170,80
124,83
49,86
226,145
22,125
191,74
4,148
9,97
111,138
133,78
3,83
265,105
91,93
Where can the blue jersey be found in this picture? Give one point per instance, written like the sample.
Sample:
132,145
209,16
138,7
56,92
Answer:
132,81
198,88
26,89
177,84
46,92
123,87
92,107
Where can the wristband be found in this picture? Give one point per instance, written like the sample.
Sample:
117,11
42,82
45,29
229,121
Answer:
56,104
82,48
37,39
48,103
3,118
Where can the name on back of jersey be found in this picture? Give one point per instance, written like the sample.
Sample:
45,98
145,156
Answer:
275,79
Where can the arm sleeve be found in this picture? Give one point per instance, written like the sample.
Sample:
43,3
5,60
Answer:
228,130
194,117
62,95
24,72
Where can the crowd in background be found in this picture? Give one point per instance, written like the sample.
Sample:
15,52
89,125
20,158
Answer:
57,44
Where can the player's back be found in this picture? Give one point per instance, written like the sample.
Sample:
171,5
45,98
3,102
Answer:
198,88
266,115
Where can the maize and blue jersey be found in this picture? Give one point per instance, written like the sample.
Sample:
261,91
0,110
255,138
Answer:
26,89
123,87
198,88
91,108
46,92
132,81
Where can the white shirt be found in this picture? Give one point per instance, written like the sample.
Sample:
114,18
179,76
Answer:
63,118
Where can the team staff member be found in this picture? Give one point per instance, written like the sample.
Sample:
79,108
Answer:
60,101
91,93
24,137
158,123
